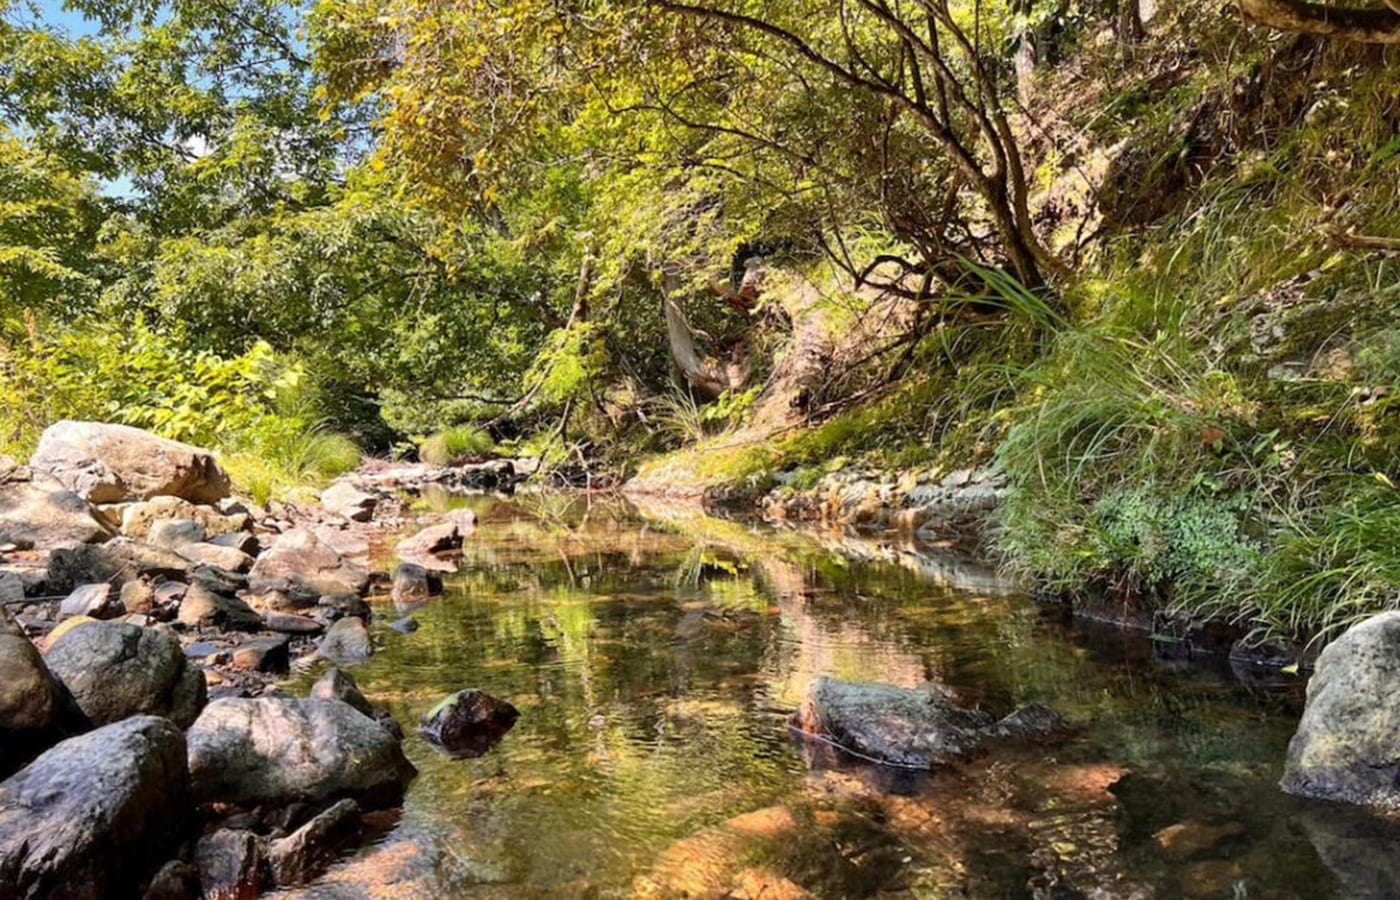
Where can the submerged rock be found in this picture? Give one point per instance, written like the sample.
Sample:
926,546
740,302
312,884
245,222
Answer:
468,723
912,728
276,750
116,670
109,463
305,853
91,817
347,642
1347,746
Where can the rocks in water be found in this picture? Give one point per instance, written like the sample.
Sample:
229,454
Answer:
230,865
44,515
337,684
176,880
413,586
115,670
300,560
347,642
36,709
304,854
202,607
92,816
468,723
340,605
1347,746
912,728
276,750
97,601
406,625
109,463
264,654
423,548
345,500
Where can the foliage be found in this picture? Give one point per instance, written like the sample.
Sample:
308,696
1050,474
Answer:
453,444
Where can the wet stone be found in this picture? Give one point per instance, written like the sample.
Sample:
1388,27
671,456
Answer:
468,723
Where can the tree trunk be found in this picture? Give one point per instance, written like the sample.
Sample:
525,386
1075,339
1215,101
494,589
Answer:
1130,29
1372,26
706,376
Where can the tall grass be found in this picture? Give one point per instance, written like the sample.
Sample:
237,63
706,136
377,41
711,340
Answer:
454,444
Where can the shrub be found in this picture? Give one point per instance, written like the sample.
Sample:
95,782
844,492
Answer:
453,444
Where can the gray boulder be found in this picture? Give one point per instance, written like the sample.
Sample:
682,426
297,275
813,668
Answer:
36,710
412,586
110,463
116,670
911,728
45,515
347,642
90,818
338,684
137,519
115,562
1347,746
276,751
300,560
230,864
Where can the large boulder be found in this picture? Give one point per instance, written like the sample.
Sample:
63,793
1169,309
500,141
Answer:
111,463
90,818
1347,746
911,728
116,670
139,518
300,560
44,515
36,710
276,751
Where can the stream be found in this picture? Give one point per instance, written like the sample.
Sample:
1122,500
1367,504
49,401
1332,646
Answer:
656,660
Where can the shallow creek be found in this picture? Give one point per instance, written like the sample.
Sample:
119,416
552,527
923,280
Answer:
656,661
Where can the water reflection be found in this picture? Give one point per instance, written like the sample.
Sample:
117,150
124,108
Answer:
655,663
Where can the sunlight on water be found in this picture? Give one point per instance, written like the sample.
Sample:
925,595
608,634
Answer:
656,662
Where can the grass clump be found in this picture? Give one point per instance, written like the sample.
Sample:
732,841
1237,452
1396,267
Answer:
454,444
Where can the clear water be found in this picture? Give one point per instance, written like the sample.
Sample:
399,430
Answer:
656,661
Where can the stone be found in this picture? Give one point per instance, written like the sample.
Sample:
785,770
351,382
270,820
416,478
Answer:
91,817
220,581
412,586
36,709
435,539
406,625
297,558
908,727
176,880
242,541
1347,746
266,654
1186,839
117,561
138,518
43,515
110,463
115,670
276,750
348,501
137,597
468,723
346,605
338,684
97,601
203,608
305,853
230,559
230,864
347,642
172,534
287,623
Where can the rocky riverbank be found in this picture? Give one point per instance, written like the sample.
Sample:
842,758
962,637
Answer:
147,616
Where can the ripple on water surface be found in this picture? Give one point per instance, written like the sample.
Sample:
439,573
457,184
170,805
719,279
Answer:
655,664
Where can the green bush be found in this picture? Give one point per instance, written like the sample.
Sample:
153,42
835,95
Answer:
453,444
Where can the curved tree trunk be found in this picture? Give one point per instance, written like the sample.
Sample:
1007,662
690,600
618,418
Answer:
1372,26
707,376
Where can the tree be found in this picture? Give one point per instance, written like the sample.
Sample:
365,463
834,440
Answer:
1373,25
